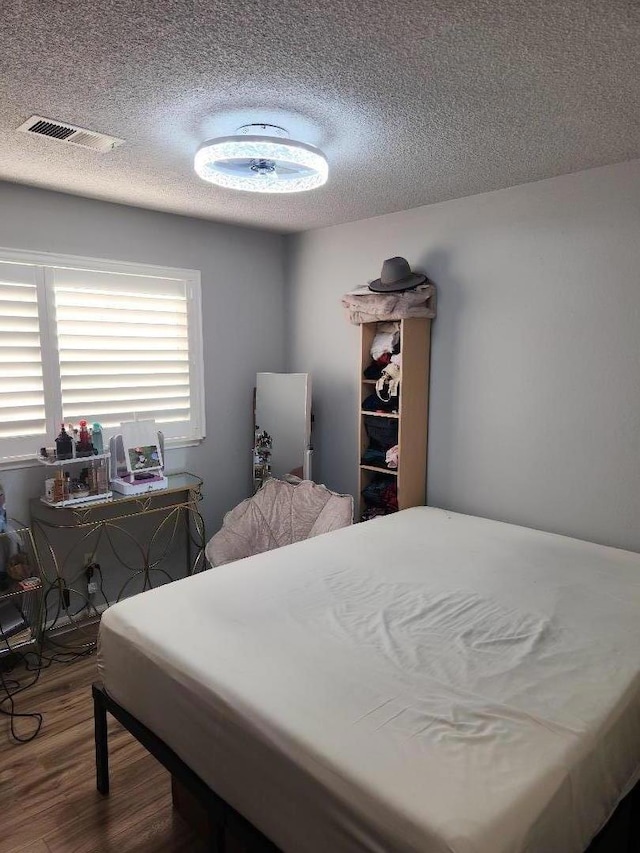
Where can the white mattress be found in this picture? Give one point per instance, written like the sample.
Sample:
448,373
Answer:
424,682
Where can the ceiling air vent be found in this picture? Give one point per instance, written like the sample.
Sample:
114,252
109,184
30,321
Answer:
70,133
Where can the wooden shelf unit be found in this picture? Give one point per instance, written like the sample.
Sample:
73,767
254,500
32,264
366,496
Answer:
413,412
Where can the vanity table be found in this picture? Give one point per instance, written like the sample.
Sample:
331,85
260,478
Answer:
96,554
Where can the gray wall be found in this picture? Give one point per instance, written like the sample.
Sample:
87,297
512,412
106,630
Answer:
535,408
535,412
242,300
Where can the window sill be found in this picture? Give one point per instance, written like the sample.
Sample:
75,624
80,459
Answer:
30,462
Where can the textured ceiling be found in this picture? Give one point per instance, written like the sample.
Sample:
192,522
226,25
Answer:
413,102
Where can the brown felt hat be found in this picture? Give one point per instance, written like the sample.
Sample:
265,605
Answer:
396,275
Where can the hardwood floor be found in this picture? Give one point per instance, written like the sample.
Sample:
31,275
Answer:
48,798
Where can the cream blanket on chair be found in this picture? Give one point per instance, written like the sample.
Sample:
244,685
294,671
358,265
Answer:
278,514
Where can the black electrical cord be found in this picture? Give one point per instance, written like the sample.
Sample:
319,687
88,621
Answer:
12,688
33,663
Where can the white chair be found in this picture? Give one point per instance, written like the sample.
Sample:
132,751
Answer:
278,514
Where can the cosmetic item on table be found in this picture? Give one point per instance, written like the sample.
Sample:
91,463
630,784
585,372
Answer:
84,447
96,439
50,489
64,445
92,480
58,487
102,477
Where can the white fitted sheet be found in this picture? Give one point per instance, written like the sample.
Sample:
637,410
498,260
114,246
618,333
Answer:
423,682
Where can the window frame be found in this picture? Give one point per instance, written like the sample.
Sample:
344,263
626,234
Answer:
44,262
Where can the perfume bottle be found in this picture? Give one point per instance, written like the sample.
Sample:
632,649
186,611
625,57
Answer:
58,487
96,439
64,445
102,477
83,445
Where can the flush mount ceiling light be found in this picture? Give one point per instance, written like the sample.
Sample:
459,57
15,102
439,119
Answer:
260,158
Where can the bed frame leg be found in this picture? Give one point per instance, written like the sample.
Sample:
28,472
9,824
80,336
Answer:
204,823
634,820
102,748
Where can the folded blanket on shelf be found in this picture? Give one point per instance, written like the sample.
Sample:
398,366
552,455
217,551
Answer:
364,306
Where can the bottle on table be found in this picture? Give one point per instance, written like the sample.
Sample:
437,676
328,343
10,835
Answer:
83,445
64,445
96,439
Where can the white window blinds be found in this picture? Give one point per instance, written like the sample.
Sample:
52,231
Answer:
123,345
98,343
22,399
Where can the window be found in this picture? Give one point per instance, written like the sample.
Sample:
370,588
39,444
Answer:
105,341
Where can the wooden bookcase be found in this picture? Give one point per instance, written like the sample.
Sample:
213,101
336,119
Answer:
412,417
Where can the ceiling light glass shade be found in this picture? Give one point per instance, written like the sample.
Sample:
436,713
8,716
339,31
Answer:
261,164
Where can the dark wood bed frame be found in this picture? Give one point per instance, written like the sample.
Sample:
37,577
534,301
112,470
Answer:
227,831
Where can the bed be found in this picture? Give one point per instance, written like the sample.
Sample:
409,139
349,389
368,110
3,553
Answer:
427,682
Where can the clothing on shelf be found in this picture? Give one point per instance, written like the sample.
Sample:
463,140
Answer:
386,340
363,306
393,391
387,387
373,456
382,432
374,370
373,403
382,492
373,512
391,457
380,458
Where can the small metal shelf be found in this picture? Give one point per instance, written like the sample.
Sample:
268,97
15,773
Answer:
60,463
103,497
20,596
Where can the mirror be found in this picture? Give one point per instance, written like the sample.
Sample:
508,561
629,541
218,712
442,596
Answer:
282,427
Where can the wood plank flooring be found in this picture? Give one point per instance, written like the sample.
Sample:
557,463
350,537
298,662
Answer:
48,798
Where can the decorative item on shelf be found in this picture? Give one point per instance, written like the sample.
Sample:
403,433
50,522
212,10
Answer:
84,447
96,439
72,485
398,294
20,600
3,510
137,458
396,276
18,567
64,444
262,449
388,384
58,487
14,561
